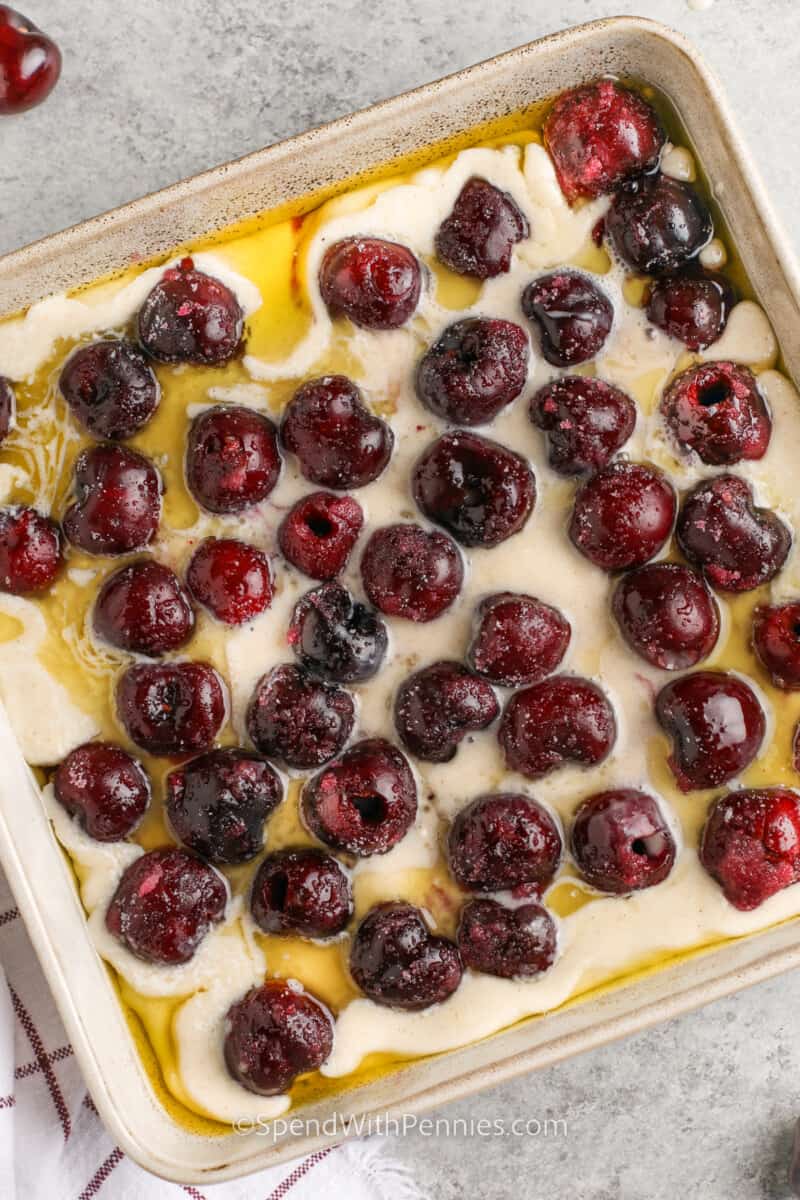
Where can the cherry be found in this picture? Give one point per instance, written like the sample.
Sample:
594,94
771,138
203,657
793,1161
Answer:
232,579
363,803
518,639
190,317
667,615
474,370
623,515
751,844
374,283
776,641
502,841
319,533
621,842
717,410
478,236
110,388
716,725
171,708
479,491
30,63
737,545
560,720
273,1034
338,442
693,308
659,225
509,942
117,501
104,788
232,459
336,637
7,408
143,609
165,903
437,707
397,961
30,551
302,892
586,421
298,720
409,572
573,315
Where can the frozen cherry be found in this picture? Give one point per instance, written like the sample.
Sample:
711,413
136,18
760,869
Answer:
117,501
623,515
716,725
586,421
659,225
693,308
509,942
717,410
319,532
363,803
338,442
737,545
273,1034
165,903
751,844
336,637
478,236
110,388
573,315
7,408
30,551
30,63
373,282
232,459
518,639
667,615
437,707
217,804
299,720
397,961
190,317
474,370
409,572
776,641
104,788
503,841
231,579
621,841
301,892
171,708
561,720
143,609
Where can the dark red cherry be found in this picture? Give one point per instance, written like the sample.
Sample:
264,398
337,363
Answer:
717,410
409,572
30,551
319,532
273,1034
397,961
474,370
143,609
338,442
737,545
301,892
599,136
751,844
586,421
171,708
518,639
336,637
776,641
232,579
165,903
502,841
716,725
30,63
659,225
218,803
374,283
693,308
104,788
478,236
117,501
7,408
621,842
299,720
232,459
667,615
623,515
512,943
110,388
573,316
437,707
190,317
561,720
363,803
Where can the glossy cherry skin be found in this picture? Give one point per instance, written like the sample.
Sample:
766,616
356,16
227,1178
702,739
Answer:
751,844
737,545
232,459
110,388
621,841
336,637
273,1034
165,903
373,282
190,317
409,572
338,442
518,639
717,410
586,421
398,962
437,707
503,841
142,608
716,724
693,307
477,368
561,720
104,788
319,532
623,515
302,892
171,708
512,943
573,316
299,720
231,579
30,551
7,408
478,236
365,802
659,225
117,501
667,615
776,641
30,63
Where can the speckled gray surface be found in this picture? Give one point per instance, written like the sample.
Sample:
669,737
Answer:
155,90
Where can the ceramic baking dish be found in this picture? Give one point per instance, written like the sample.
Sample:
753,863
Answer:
307,166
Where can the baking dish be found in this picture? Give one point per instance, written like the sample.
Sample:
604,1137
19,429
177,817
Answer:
297,174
